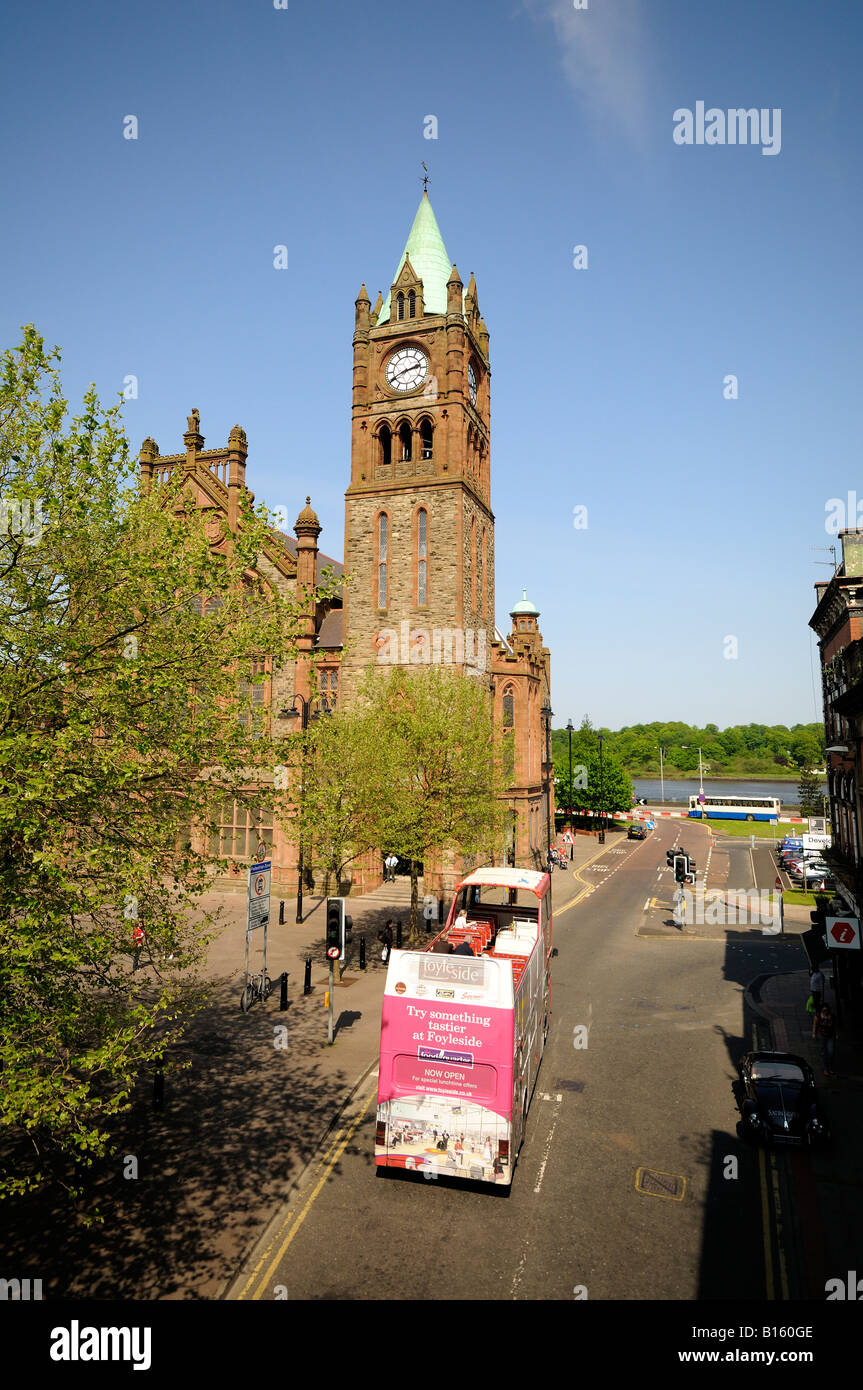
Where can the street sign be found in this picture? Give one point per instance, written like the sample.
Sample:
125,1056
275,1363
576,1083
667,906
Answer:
844,932
333,952
701,798
259,895
778,884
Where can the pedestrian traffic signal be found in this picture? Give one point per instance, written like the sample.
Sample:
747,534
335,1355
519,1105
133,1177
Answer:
335,928
680,868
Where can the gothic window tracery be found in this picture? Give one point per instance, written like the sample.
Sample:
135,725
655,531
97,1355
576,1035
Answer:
426,438
383,529
422,557
405,437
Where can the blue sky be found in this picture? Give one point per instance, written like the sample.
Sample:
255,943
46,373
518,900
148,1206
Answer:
304,127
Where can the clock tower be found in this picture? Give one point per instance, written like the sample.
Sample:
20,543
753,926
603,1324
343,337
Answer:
419,530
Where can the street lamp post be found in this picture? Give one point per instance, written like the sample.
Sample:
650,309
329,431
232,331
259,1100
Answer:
569,785
662,777
305,714
601,797
547,712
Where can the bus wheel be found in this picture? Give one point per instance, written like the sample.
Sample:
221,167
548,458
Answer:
750,817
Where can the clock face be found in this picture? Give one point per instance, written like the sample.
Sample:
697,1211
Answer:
471,383
407,368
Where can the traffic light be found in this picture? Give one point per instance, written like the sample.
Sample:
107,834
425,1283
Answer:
690,868
335,928
670,855
679,868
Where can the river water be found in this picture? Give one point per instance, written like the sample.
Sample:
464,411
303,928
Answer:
680,790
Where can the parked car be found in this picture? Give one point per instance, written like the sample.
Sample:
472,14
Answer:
778,1103
636,832
796,856
810,869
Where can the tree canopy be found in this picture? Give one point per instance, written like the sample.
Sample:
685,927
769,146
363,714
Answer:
412,768
125,637
748,750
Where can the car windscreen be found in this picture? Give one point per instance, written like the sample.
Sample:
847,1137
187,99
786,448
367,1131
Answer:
776,1071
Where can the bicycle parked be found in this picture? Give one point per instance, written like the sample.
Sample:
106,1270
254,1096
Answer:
256,987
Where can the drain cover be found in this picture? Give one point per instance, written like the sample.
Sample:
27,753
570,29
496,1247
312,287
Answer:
569,1085
654,1184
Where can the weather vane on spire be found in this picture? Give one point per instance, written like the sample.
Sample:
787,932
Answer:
425,178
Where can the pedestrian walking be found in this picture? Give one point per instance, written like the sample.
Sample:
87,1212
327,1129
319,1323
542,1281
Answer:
391,863
386,935
138,941
824,1029
816,988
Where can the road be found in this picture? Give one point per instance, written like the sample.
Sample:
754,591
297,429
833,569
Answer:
631,1183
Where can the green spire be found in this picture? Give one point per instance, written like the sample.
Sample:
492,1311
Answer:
429,259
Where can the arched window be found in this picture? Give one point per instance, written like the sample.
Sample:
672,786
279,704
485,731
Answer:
426,438
405,437
400,305
422,557
382,559
508,708
412,304
386,438
473,562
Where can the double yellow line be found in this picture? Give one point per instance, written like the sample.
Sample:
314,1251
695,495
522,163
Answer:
294,1220
771,1206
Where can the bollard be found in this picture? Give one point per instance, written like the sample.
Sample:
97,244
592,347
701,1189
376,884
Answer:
398,936
281,913
362,953
283,1001
307,981
159,1084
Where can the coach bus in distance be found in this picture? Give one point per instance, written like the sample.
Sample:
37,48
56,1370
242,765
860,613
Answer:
736,807
463,1028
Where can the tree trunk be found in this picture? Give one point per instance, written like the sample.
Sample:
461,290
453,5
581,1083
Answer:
414,898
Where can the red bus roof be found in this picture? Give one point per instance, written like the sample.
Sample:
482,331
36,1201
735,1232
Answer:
531,879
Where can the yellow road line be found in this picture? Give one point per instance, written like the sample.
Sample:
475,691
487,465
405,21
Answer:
780,1251
336,1150
765,1224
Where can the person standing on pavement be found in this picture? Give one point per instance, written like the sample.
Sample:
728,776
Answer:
816,988
824,1029
386,936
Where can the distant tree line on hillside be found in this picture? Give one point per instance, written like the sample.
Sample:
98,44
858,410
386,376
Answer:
743,750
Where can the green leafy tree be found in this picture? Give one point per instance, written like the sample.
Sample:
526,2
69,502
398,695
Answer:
809,794
436,781
121,727
333,768
595,786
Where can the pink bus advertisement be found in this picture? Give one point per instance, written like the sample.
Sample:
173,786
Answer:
460,1032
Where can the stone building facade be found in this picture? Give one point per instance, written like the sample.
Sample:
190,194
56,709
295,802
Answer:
418,544
838,624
